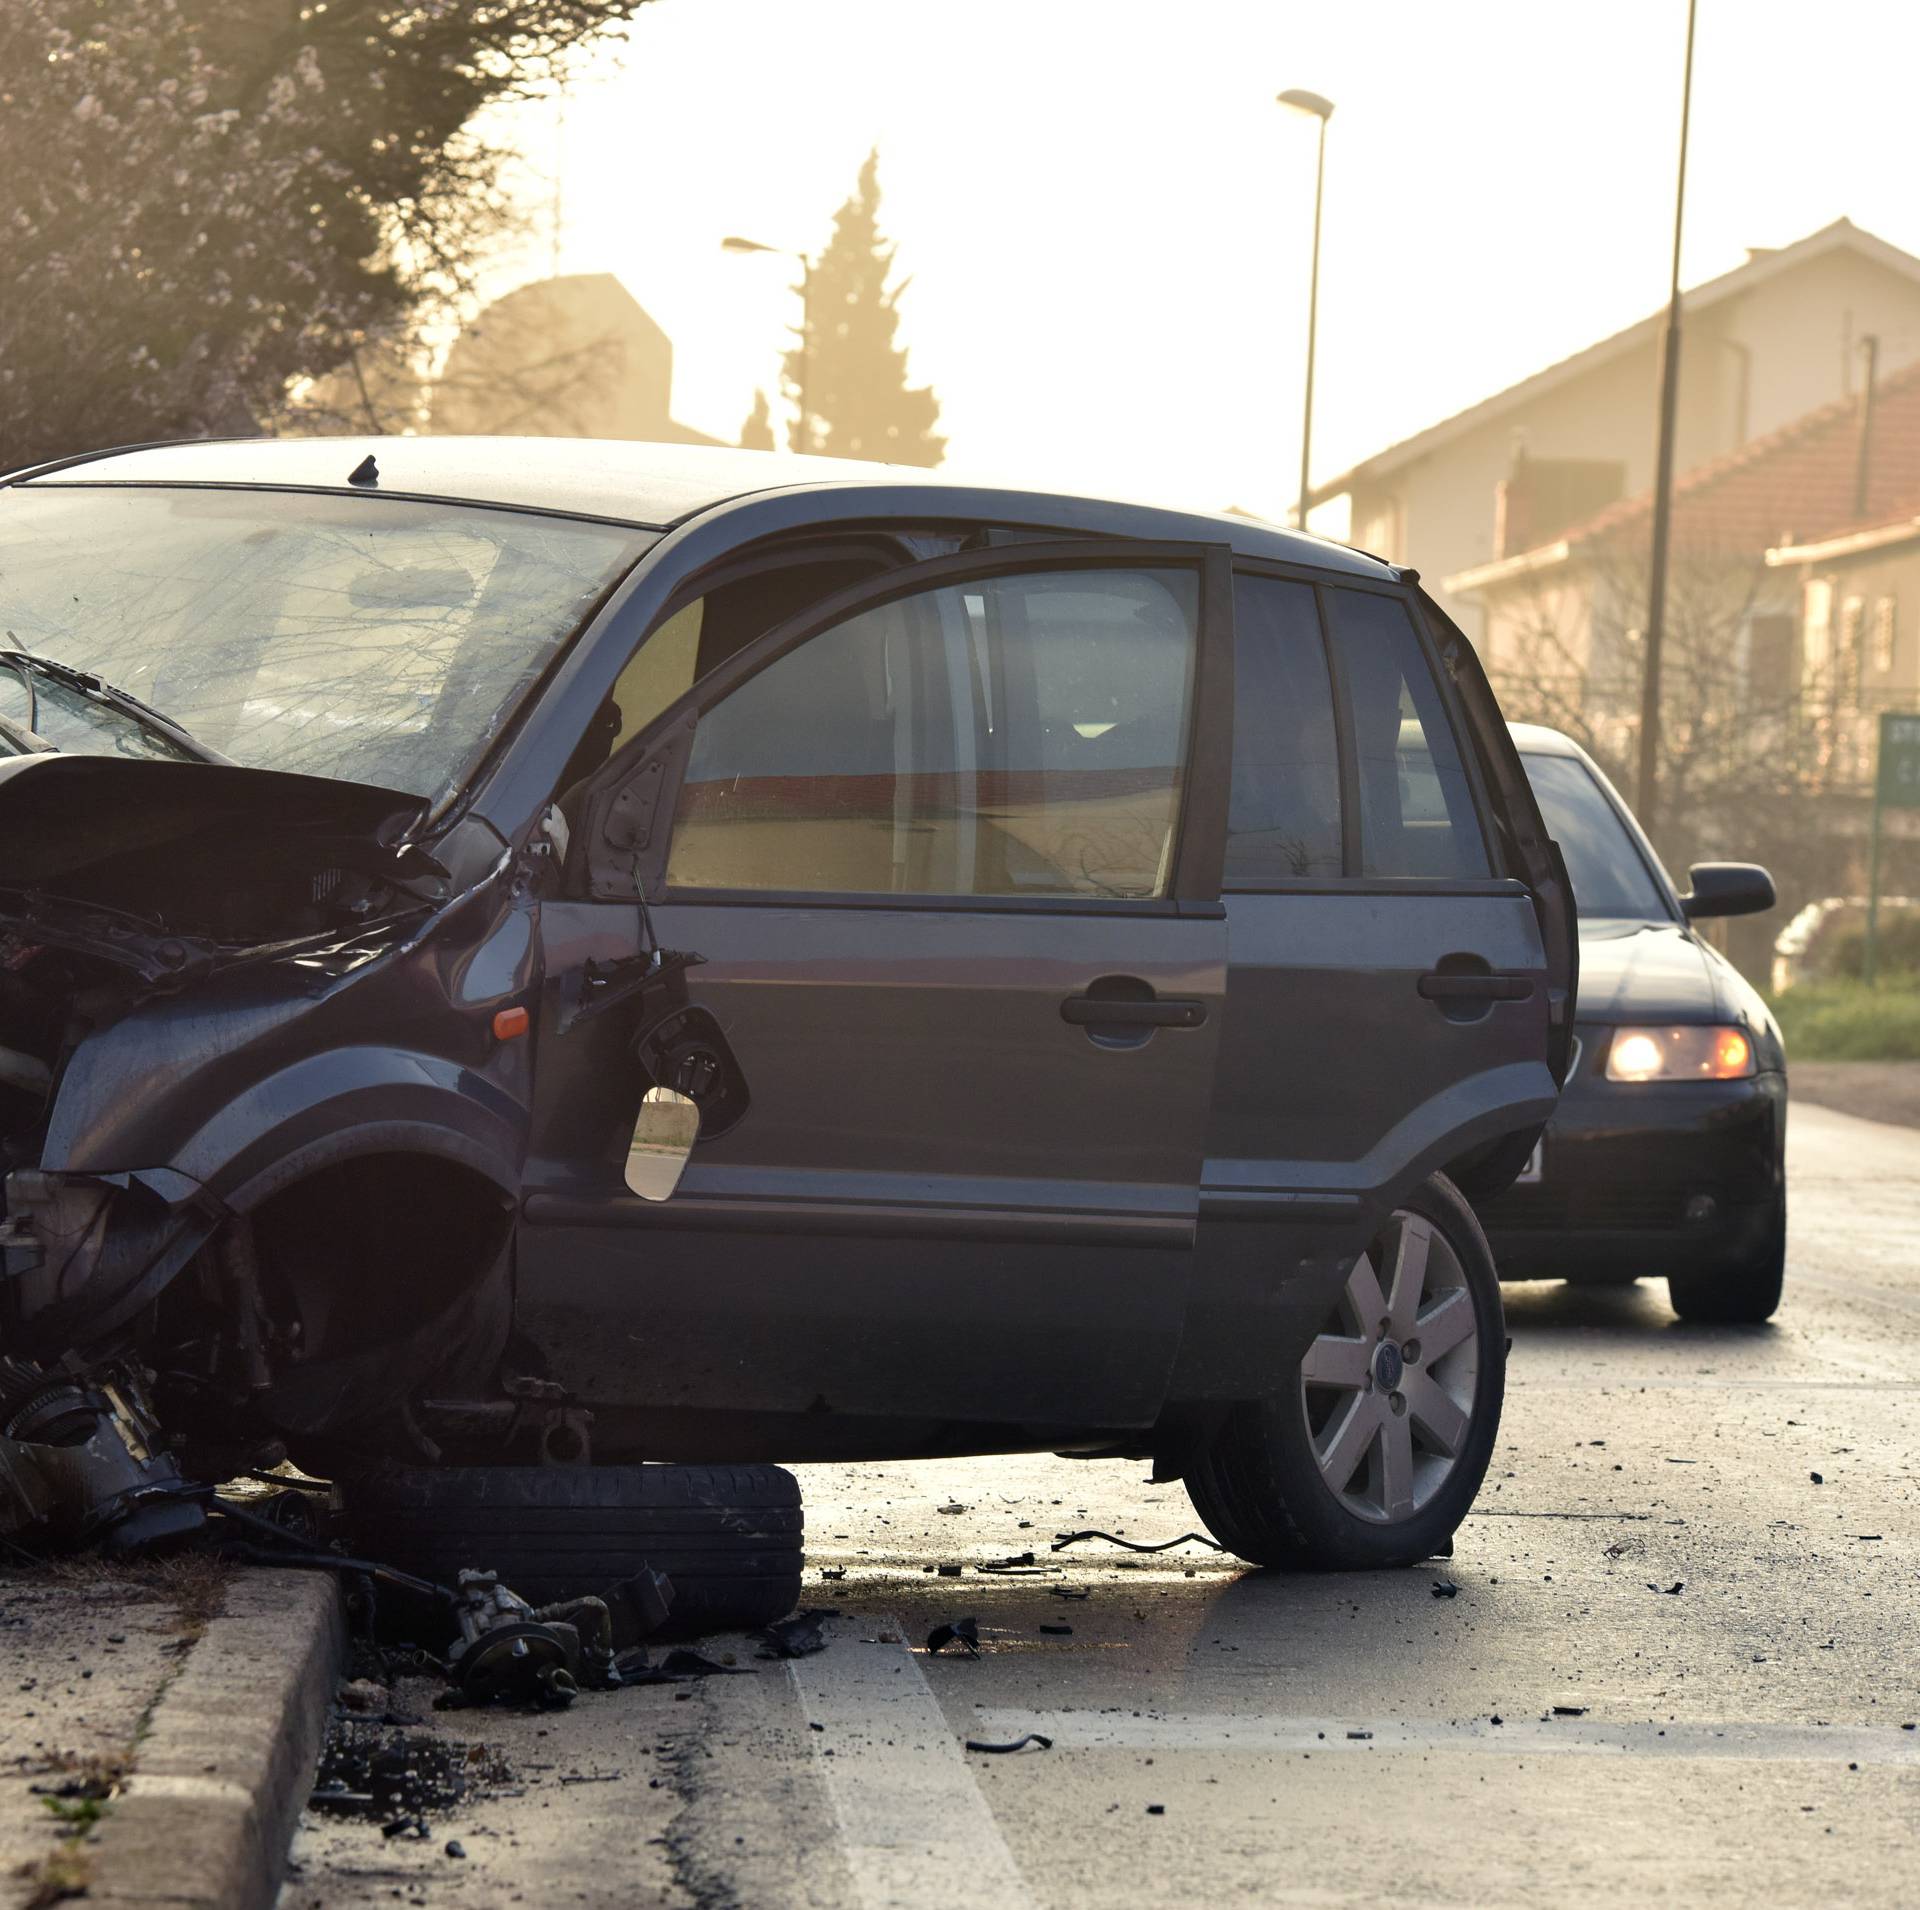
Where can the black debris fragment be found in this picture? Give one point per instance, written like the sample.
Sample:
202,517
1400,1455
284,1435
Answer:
949,1571
964,1632
1064,1539
1359,1734
1445,1588
1818,1478
833,1571
1569,1710
455,1848
1077,1593
1668,1591
1058,1631
797,1637
1018,1744
1156,1810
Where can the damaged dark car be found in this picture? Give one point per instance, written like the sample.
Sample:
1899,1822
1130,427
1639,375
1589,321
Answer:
526,958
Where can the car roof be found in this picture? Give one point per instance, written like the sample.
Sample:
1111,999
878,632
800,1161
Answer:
653,486
1536,739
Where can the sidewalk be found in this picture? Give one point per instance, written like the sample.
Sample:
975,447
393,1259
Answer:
160,1728
1873,1090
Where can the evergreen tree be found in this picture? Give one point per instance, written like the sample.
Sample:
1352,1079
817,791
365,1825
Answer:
848,367
756,434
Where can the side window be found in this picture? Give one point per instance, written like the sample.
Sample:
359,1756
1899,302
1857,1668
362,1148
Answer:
1416,808
1283,819
1022,735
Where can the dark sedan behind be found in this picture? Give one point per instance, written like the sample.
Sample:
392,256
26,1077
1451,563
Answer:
1666,1156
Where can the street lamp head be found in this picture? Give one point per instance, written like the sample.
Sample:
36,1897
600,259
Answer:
1304,102
733,243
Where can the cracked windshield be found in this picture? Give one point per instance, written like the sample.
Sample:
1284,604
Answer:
373,642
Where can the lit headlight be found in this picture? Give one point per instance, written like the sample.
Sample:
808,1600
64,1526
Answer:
1679,1054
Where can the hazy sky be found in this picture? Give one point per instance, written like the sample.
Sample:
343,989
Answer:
1106,218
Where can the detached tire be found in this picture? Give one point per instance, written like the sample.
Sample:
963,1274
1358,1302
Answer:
1745,1295
1372,1453
729,1537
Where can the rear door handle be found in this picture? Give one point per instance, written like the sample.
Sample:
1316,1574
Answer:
1105,1010
1442,986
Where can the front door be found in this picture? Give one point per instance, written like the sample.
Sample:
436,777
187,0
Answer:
950,852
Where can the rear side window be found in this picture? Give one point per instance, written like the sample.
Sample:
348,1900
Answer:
1416,807
1283,821
1023,735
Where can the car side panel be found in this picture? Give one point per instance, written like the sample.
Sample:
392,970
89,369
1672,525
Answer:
1339,1088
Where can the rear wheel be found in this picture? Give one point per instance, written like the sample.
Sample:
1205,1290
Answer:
729,1537
1372,1454
1743,1295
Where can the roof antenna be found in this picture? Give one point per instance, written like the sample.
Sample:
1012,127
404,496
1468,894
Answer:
365,472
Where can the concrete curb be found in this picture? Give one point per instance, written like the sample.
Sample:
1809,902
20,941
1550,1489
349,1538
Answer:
223,1769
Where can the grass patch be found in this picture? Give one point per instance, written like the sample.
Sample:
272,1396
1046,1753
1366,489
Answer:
1847,1021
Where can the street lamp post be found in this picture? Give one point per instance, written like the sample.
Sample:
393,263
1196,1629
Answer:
1647,791
1321,109
733,243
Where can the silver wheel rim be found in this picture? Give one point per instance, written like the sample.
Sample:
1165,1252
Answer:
1390,1384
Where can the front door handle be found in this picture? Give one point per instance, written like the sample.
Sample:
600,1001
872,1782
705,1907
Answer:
1108,1011
1442,985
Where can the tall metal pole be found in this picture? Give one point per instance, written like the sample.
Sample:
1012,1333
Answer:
1313,320
1648,791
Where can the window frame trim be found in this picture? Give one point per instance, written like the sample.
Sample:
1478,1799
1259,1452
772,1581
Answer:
663,748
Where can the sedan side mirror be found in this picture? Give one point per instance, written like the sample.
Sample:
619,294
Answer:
1727,888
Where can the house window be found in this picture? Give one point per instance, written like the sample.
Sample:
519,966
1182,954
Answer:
1883,634
1846,662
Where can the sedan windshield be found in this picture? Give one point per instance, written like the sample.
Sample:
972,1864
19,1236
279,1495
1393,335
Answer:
374,640
1610,876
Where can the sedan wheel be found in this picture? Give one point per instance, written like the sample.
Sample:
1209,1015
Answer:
1373,1455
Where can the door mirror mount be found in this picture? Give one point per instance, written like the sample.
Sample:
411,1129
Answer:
1727,888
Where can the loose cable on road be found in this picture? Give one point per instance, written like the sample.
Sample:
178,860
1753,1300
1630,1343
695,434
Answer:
1018,1744
1064,1539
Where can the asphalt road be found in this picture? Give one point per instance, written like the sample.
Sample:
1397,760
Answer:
1676,1667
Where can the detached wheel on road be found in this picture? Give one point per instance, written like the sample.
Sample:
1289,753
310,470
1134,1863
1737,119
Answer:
729,1537
1743,1295
1373,1454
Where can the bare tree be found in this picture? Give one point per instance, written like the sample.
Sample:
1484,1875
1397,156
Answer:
1741,753
208,204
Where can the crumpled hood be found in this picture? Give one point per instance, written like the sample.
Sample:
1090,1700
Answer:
1643,971
71,824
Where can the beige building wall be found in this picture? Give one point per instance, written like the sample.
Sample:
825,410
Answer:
1751,362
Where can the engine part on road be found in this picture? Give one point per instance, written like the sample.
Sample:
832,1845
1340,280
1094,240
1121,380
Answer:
83,1466
507,1651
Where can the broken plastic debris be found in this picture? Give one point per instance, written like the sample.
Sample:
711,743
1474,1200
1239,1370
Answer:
1445,1588
964,1632
1668,1591
1018,1744
797,1637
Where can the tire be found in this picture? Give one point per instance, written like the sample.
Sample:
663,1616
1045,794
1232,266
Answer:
1744,1295
1262,1487
729,1537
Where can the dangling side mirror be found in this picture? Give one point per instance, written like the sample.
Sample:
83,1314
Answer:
663,1136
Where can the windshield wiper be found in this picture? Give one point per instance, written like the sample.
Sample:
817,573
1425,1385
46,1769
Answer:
115,698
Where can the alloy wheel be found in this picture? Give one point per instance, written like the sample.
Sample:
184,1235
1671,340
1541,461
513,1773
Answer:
1390,1384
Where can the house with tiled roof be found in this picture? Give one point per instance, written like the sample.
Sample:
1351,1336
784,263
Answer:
1745,524
1763,345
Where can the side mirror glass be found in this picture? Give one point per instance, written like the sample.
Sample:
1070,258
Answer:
663,1137
1727,888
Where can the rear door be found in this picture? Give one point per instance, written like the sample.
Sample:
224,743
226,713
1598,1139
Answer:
1389,988
949,846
